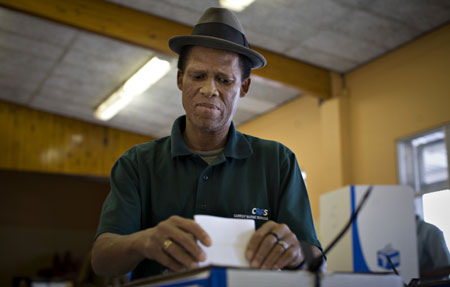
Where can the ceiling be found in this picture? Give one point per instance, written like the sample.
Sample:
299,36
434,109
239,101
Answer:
67,71
339,35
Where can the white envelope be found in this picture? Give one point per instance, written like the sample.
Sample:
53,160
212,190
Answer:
229,236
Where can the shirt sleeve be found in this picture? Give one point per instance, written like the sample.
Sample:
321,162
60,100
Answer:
121,211
294,207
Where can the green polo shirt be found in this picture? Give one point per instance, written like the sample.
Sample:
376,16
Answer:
251,178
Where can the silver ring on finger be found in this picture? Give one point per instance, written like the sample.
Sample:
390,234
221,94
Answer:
283,244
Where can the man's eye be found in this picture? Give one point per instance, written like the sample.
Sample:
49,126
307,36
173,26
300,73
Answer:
198,77
225,81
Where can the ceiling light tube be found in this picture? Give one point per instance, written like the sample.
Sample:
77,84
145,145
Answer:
146,76
235,5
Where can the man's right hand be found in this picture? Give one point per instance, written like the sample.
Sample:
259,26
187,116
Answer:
172,243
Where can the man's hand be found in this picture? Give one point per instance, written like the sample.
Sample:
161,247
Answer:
173,243
274,246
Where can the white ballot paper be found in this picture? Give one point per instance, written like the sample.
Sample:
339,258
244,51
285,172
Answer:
229,237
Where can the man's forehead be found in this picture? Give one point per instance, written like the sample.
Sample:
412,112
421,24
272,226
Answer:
205,54
213,51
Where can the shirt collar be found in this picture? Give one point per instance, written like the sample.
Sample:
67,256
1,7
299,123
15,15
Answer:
178,147
237,145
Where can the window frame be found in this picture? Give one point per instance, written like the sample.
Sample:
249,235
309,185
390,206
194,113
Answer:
409,165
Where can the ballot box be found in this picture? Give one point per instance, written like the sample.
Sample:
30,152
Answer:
383,237
212,276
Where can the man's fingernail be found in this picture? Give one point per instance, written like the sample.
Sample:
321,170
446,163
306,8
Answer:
202,256
248,254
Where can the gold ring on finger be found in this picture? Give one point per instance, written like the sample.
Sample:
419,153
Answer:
167,243
283,244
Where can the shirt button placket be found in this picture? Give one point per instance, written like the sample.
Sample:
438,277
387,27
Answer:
201,192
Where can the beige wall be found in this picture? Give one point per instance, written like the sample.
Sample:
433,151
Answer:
33,140
350,139
400,94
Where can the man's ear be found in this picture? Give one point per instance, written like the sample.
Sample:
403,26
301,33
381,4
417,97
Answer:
245,86
180,80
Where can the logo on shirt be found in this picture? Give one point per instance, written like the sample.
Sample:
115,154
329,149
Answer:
260,211
256,213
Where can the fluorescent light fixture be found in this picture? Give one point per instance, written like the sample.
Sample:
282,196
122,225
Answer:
146,76
235,5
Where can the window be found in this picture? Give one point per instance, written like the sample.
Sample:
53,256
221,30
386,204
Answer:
436,211
423,163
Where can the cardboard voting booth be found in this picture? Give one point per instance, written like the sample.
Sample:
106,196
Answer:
385,229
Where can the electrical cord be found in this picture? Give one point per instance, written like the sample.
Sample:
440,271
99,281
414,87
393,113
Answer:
314,263
393,268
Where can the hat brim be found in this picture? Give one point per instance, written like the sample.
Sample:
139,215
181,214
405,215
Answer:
178,42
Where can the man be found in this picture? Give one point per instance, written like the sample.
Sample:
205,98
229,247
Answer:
432,248
204,167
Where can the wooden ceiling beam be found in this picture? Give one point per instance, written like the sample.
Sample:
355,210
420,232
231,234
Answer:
153,32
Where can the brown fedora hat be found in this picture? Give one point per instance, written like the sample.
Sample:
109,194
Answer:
219,28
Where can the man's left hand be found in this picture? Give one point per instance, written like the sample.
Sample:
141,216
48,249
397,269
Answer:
274,246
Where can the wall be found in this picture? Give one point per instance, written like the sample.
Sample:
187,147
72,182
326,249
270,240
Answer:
45,209
402,93
33,140
350,139
42,214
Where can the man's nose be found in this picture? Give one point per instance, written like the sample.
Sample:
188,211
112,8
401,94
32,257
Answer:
209,88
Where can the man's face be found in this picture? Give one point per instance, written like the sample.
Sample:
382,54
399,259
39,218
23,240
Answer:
211,85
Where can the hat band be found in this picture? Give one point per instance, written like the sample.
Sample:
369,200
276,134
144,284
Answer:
222,31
